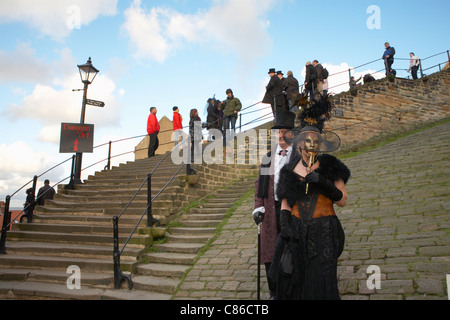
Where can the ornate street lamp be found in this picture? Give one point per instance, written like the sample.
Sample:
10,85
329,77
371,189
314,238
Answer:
87,73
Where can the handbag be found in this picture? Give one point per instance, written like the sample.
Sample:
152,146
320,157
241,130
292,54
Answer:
286,261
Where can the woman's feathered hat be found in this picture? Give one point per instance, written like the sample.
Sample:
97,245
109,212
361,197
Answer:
312,120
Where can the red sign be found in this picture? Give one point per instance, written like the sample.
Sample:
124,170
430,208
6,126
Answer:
77,138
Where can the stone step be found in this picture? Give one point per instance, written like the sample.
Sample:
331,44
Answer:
62,263
193,238
106,211
71,228
136,240
34,290
155,284
171,258
175,271
156,180
212,204
179,247
208,216
103,280
97,204
192,231
128,192
68,250
92,220
208,211
201,223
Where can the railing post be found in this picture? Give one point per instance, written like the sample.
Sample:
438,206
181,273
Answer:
448,56
149,201
6,220
119,277
420,65
70,186
240,122
108,165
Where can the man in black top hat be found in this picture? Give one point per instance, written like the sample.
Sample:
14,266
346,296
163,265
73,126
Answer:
273,91
267,206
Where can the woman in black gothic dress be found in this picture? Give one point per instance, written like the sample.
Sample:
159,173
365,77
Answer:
311,239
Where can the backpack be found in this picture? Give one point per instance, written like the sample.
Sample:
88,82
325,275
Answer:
325,73
313,74
392,51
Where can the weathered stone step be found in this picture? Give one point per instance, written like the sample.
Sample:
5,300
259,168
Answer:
133,173
125,220
179,247
207,211
35,290
155,284
98,204
76,238
192,230
68,250
62,263
156,180
126,192
213,204
201,223
171,258
106,211
104,279
71,228
189,238
207,216
162,270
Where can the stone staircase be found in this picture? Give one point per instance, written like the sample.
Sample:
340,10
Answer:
75,229
172,259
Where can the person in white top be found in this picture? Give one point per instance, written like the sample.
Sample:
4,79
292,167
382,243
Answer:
414,63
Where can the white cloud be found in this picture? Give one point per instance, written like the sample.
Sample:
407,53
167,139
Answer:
55,18
48,105
19,163
21,65
232,26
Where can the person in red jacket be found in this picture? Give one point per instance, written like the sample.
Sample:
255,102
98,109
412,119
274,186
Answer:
177,126
152,130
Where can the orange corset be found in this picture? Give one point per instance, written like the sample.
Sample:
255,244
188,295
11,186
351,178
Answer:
324,208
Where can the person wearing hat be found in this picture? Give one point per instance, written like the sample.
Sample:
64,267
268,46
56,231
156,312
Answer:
311,236
267,206
273,91
231,106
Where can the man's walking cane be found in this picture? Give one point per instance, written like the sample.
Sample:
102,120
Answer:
259,263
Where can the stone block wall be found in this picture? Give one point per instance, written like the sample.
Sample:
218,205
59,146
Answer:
390,105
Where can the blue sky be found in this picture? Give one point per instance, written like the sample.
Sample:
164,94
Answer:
180,52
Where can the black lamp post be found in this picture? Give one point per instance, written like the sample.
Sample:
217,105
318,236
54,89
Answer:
87,73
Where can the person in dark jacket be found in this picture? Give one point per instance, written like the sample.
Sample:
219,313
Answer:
292,90
196,136
46,192
310,80
28,206
273,91
388,57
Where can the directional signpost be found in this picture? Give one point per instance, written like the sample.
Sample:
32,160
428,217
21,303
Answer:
77,138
